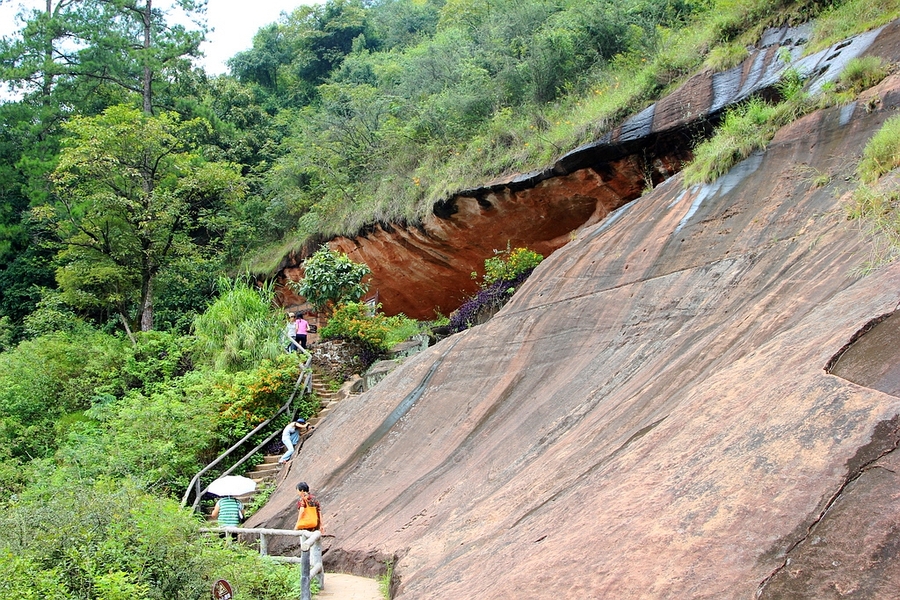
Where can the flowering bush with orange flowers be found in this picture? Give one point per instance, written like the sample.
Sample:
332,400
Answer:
254,396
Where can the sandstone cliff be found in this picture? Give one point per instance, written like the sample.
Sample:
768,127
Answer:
664,410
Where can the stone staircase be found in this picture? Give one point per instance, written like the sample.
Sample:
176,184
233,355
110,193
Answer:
329,400
267,471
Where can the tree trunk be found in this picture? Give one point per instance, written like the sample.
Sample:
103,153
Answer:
147,83
147,305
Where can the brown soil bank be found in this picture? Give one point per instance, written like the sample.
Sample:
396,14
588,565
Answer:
651,416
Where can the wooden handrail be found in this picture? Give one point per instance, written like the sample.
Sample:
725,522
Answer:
310,558
194,485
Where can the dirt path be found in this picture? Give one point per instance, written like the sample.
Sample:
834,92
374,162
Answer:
339,586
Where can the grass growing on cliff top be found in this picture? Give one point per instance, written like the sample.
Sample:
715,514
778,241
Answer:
752,125
416,167
745,129
842,20
515,135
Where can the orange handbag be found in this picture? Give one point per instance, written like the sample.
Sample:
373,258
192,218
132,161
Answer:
308,518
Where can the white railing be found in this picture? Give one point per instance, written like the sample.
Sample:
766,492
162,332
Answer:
310,558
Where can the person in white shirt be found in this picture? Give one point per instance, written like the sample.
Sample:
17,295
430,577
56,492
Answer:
290,436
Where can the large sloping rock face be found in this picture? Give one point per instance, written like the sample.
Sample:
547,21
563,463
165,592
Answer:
664,410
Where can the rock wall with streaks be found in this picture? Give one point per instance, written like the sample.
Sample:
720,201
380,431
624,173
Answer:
677,404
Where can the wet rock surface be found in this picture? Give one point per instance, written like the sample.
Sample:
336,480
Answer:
651,415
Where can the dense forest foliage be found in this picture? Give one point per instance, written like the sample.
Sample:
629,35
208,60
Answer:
139,194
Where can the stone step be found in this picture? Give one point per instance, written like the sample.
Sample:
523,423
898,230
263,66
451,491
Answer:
269,459
258,476
266,466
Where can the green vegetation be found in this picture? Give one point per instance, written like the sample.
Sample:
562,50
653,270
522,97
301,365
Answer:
330,278
384,581
750,126
239,328
99,435
109,540
747,128
503,274
876,201
840,20
341,116
860,74
508,264
882,153
353,321
135,187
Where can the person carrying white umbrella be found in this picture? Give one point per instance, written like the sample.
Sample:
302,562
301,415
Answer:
229,511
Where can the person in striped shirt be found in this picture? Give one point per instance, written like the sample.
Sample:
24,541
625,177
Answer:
228,511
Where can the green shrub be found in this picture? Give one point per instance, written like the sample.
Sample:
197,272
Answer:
251,397
330,278
877,208
66,538
353,321
507,265
43,379
23,578
877,203
155,359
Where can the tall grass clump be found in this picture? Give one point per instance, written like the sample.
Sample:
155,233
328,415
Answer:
744,129
240,329
882,153
876,209
876,202
862,73
747,128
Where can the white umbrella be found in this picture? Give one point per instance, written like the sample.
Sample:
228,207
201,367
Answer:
231,485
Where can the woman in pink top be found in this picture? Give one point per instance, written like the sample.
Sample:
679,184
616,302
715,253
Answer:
302,329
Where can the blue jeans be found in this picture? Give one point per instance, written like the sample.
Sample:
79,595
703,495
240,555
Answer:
289,441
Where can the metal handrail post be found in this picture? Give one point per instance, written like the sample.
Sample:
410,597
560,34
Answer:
310,551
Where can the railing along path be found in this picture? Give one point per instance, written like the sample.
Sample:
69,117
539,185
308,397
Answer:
310,558
304,382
